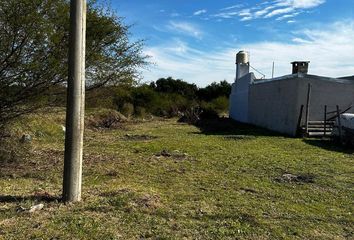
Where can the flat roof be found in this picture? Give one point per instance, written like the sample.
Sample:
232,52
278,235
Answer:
302,75
347,77
300,62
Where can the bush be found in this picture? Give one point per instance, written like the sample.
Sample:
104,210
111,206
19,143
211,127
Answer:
220,104
105,118
141,112
191,115
122,96
144,96
177,86
100,98
171,98
127,110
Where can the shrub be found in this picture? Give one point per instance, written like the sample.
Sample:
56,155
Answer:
105,118
214,90
127,110
141,112
191,115
220,104
122,96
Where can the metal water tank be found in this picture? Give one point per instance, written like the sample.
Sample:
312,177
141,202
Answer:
242,57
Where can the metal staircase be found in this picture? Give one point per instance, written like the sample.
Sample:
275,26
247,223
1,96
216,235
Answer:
318,129
311,128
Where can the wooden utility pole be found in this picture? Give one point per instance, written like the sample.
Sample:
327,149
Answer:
75,103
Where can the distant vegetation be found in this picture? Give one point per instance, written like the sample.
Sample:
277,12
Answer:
167,97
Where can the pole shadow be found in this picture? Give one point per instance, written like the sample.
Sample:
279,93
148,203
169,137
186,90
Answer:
36,197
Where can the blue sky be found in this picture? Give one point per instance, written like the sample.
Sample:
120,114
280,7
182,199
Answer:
196,40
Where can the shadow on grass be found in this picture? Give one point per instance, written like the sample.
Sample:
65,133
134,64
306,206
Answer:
227,127
330,145
231,129
38,198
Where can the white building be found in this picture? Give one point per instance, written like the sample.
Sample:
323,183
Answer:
286,103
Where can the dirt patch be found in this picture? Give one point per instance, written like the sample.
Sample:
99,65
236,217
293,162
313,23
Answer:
176,155
148,201
247,190
112,173
143,137
291,178
239,137
91,158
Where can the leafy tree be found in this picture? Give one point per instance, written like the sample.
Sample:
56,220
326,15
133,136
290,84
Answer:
34,50
215,90
178,86
144,96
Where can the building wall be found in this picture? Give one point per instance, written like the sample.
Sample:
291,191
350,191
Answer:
238,102
325,91
273,105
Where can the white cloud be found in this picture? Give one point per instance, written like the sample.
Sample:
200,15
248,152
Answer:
287,6
286,16
264,11
227,14
247,18
300,40
329,49
181,61
279,11
300,3
244,14
232,7
269,9
185,28
199,12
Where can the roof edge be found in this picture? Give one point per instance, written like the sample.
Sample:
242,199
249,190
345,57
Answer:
302,75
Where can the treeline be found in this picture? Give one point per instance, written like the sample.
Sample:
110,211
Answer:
165,97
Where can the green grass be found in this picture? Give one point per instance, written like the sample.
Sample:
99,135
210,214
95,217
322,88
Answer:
219,183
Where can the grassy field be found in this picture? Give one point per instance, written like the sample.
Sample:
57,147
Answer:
165,180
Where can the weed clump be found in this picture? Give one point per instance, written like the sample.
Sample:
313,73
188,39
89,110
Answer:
176,155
